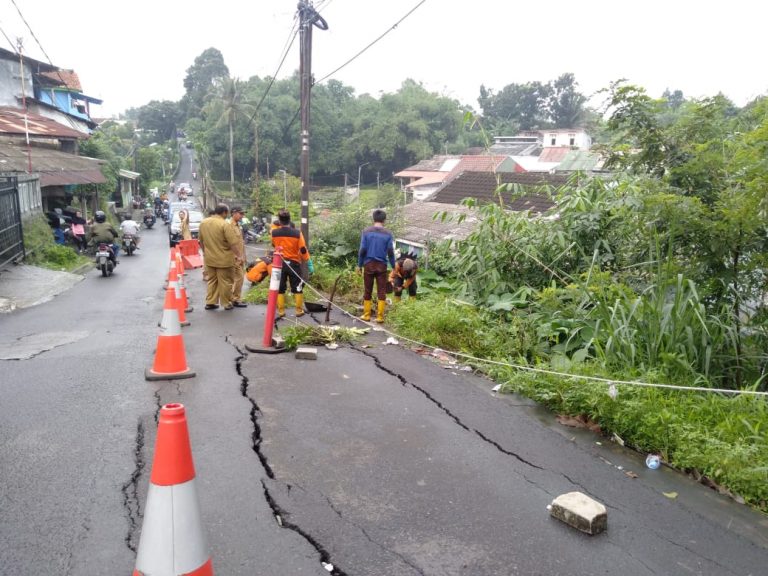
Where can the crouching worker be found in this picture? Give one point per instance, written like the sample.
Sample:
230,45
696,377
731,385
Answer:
403,276
259,270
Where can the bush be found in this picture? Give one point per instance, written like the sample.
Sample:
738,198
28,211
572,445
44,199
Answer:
43,251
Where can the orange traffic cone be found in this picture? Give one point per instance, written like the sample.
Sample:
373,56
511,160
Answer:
173,300
184,304
179,261
170,358
172,538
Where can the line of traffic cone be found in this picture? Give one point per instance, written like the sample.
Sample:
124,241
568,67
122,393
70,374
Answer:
172,538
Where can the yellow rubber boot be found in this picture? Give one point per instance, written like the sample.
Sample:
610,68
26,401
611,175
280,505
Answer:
366,311
299,298
281,305
381,305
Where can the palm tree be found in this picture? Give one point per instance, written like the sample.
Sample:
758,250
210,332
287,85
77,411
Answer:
231,106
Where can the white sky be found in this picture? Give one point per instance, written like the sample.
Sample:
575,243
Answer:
132,52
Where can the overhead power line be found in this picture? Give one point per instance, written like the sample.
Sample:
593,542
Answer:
13,46
38,43
291,39
390,29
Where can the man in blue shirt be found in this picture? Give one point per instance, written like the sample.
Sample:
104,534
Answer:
377,247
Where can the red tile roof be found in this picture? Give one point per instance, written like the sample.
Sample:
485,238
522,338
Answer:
67,78
12,122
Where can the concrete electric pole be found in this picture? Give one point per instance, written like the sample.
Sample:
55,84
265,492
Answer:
308,17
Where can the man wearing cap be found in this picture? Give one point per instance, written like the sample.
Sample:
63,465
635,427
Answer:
220,243
238,269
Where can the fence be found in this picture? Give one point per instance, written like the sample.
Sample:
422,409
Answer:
11,236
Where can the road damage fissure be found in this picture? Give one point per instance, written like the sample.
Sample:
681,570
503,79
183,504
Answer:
130,489
255,411
281,517
367,536
404,381
277,512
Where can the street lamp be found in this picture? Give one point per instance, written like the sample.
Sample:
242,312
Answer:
285,188
359,168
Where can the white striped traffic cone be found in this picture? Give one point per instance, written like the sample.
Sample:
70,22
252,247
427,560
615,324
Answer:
172,539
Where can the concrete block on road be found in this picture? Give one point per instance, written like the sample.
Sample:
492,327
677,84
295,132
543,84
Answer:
278,341
306,353
581,512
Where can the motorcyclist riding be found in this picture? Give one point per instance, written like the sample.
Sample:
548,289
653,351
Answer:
103,231
131,227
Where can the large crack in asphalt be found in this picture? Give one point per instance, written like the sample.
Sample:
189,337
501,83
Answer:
282,518
278,513
368,537
130,490
255,410
404,381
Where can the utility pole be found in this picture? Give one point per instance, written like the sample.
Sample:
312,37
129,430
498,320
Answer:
308,17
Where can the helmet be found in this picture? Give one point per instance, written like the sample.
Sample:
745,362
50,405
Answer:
100,216
408,265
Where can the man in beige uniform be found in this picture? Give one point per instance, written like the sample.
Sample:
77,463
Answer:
219,242
239,269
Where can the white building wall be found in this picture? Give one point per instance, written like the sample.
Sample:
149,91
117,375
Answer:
10,83
572,138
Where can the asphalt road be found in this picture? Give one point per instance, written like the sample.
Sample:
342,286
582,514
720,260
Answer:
375,459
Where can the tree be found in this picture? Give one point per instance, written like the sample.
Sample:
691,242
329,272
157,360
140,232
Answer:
206,74
161,117
565,106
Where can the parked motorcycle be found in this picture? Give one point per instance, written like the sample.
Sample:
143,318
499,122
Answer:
253,234
129,244
149,220
105,259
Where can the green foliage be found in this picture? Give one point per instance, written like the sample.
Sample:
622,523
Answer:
534,105
458,326
315,335
207,71
41,248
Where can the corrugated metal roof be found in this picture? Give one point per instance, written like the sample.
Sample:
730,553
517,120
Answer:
430,164
12,122
583,160
55,168
554,154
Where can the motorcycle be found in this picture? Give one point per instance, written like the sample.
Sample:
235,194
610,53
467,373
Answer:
129,244
253,234
149,220
105,259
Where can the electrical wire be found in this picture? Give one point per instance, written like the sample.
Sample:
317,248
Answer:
13,46
390,29
34,36
289,43
595,379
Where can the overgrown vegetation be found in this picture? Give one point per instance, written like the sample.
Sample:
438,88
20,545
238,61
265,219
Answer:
43,251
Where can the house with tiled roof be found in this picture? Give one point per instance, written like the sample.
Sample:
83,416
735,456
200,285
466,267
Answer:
44,115
533,189
424,225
